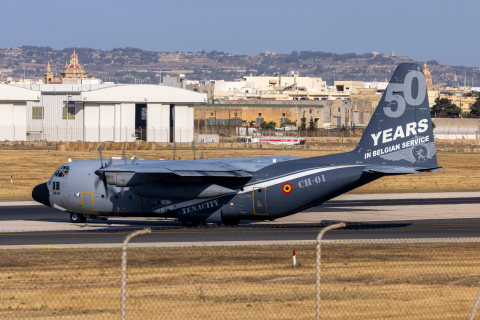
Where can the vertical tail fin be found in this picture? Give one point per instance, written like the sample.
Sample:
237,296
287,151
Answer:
400,131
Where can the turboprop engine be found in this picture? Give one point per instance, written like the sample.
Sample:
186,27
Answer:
180,190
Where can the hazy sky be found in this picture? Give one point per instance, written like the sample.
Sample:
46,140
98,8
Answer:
447,31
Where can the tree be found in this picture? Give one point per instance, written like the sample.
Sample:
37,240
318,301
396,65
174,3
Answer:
472,94
444,108
475,109
303,122
289,122
268,125
311,125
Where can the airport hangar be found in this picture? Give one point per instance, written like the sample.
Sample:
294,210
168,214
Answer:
97,113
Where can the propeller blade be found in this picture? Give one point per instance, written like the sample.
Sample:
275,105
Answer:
121,191
106,188
174,149
134,158
124,157
110,162
193,149
201,157
100,155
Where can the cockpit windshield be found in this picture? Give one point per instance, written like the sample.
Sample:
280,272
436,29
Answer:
62,172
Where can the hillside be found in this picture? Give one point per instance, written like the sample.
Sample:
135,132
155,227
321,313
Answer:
126,64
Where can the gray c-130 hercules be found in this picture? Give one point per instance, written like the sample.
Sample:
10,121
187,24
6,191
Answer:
397,141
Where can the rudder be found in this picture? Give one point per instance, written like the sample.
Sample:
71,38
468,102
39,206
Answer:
400,131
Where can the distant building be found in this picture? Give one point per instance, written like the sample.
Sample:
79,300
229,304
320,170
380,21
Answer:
74,69
73,73
96,113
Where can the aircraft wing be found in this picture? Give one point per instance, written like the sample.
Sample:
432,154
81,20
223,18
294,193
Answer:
234,168
184,170
399,170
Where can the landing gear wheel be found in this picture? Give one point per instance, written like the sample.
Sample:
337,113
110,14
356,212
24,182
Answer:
211,224
77,218
190,224
231,222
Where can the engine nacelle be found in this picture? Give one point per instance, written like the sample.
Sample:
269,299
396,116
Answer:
131,179
180,190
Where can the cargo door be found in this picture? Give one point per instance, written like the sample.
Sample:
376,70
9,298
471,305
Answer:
87,201
259,197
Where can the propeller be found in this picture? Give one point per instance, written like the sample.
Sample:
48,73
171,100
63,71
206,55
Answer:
193,149
101,174
201,157
124,157
174,149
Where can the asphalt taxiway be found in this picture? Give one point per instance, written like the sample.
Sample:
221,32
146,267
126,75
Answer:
419,217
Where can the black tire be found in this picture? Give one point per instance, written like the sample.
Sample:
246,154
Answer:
211,224
190,224
231,222
77,218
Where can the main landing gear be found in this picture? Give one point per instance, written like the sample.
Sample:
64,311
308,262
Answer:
77,218
190,224
227,222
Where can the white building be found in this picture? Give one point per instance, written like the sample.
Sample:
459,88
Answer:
97,112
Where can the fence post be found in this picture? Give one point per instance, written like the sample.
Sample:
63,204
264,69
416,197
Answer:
317,276
475,307
124,267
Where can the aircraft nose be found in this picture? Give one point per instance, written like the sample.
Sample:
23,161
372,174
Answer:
40,194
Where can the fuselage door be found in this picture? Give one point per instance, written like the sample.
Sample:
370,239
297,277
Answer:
65,192
87,201
260,201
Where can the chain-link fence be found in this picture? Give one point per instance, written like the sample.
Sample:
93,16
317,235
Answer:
230,130
378,279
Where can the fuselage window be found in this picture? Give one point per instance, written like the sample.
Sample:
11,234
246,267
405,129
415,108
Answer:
56,186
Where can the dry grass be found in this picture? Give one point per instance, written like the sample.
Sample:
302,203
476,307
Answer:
420,281
31,167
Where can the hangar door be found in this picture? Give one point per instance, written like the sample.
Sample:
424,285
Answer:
158,122
141,121
339,121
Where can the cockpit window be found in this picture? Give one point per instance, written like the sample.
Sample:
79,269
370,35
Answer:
62,171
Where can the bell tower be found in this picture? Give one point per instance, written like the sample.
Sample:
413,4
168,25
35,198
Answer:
428,77
48,75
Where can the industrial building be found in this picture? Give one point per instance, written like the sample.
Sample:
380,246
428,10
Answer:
325,114
97,112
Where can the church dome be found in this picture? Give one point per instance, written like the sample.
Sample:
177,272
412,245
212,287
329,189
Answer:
74,69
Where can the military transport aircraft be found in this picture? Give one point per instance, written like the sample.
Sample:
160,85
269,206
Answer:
397,141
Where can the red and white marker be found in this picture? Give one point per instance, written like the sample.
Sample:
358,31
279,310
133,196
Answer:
294,259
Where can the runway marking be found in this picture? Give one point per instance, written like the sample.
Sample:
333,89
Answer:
209,231
399,201
40,246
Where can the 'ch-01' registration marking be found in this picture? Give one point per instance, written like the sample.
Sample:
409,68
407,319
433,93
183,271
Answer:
309,182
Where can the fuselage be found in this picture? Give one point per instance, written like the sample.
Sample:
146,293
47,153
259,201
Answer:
276,190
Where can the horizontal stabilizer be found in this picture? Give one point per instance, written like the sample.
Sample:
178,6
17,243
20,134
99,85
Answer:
399,170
